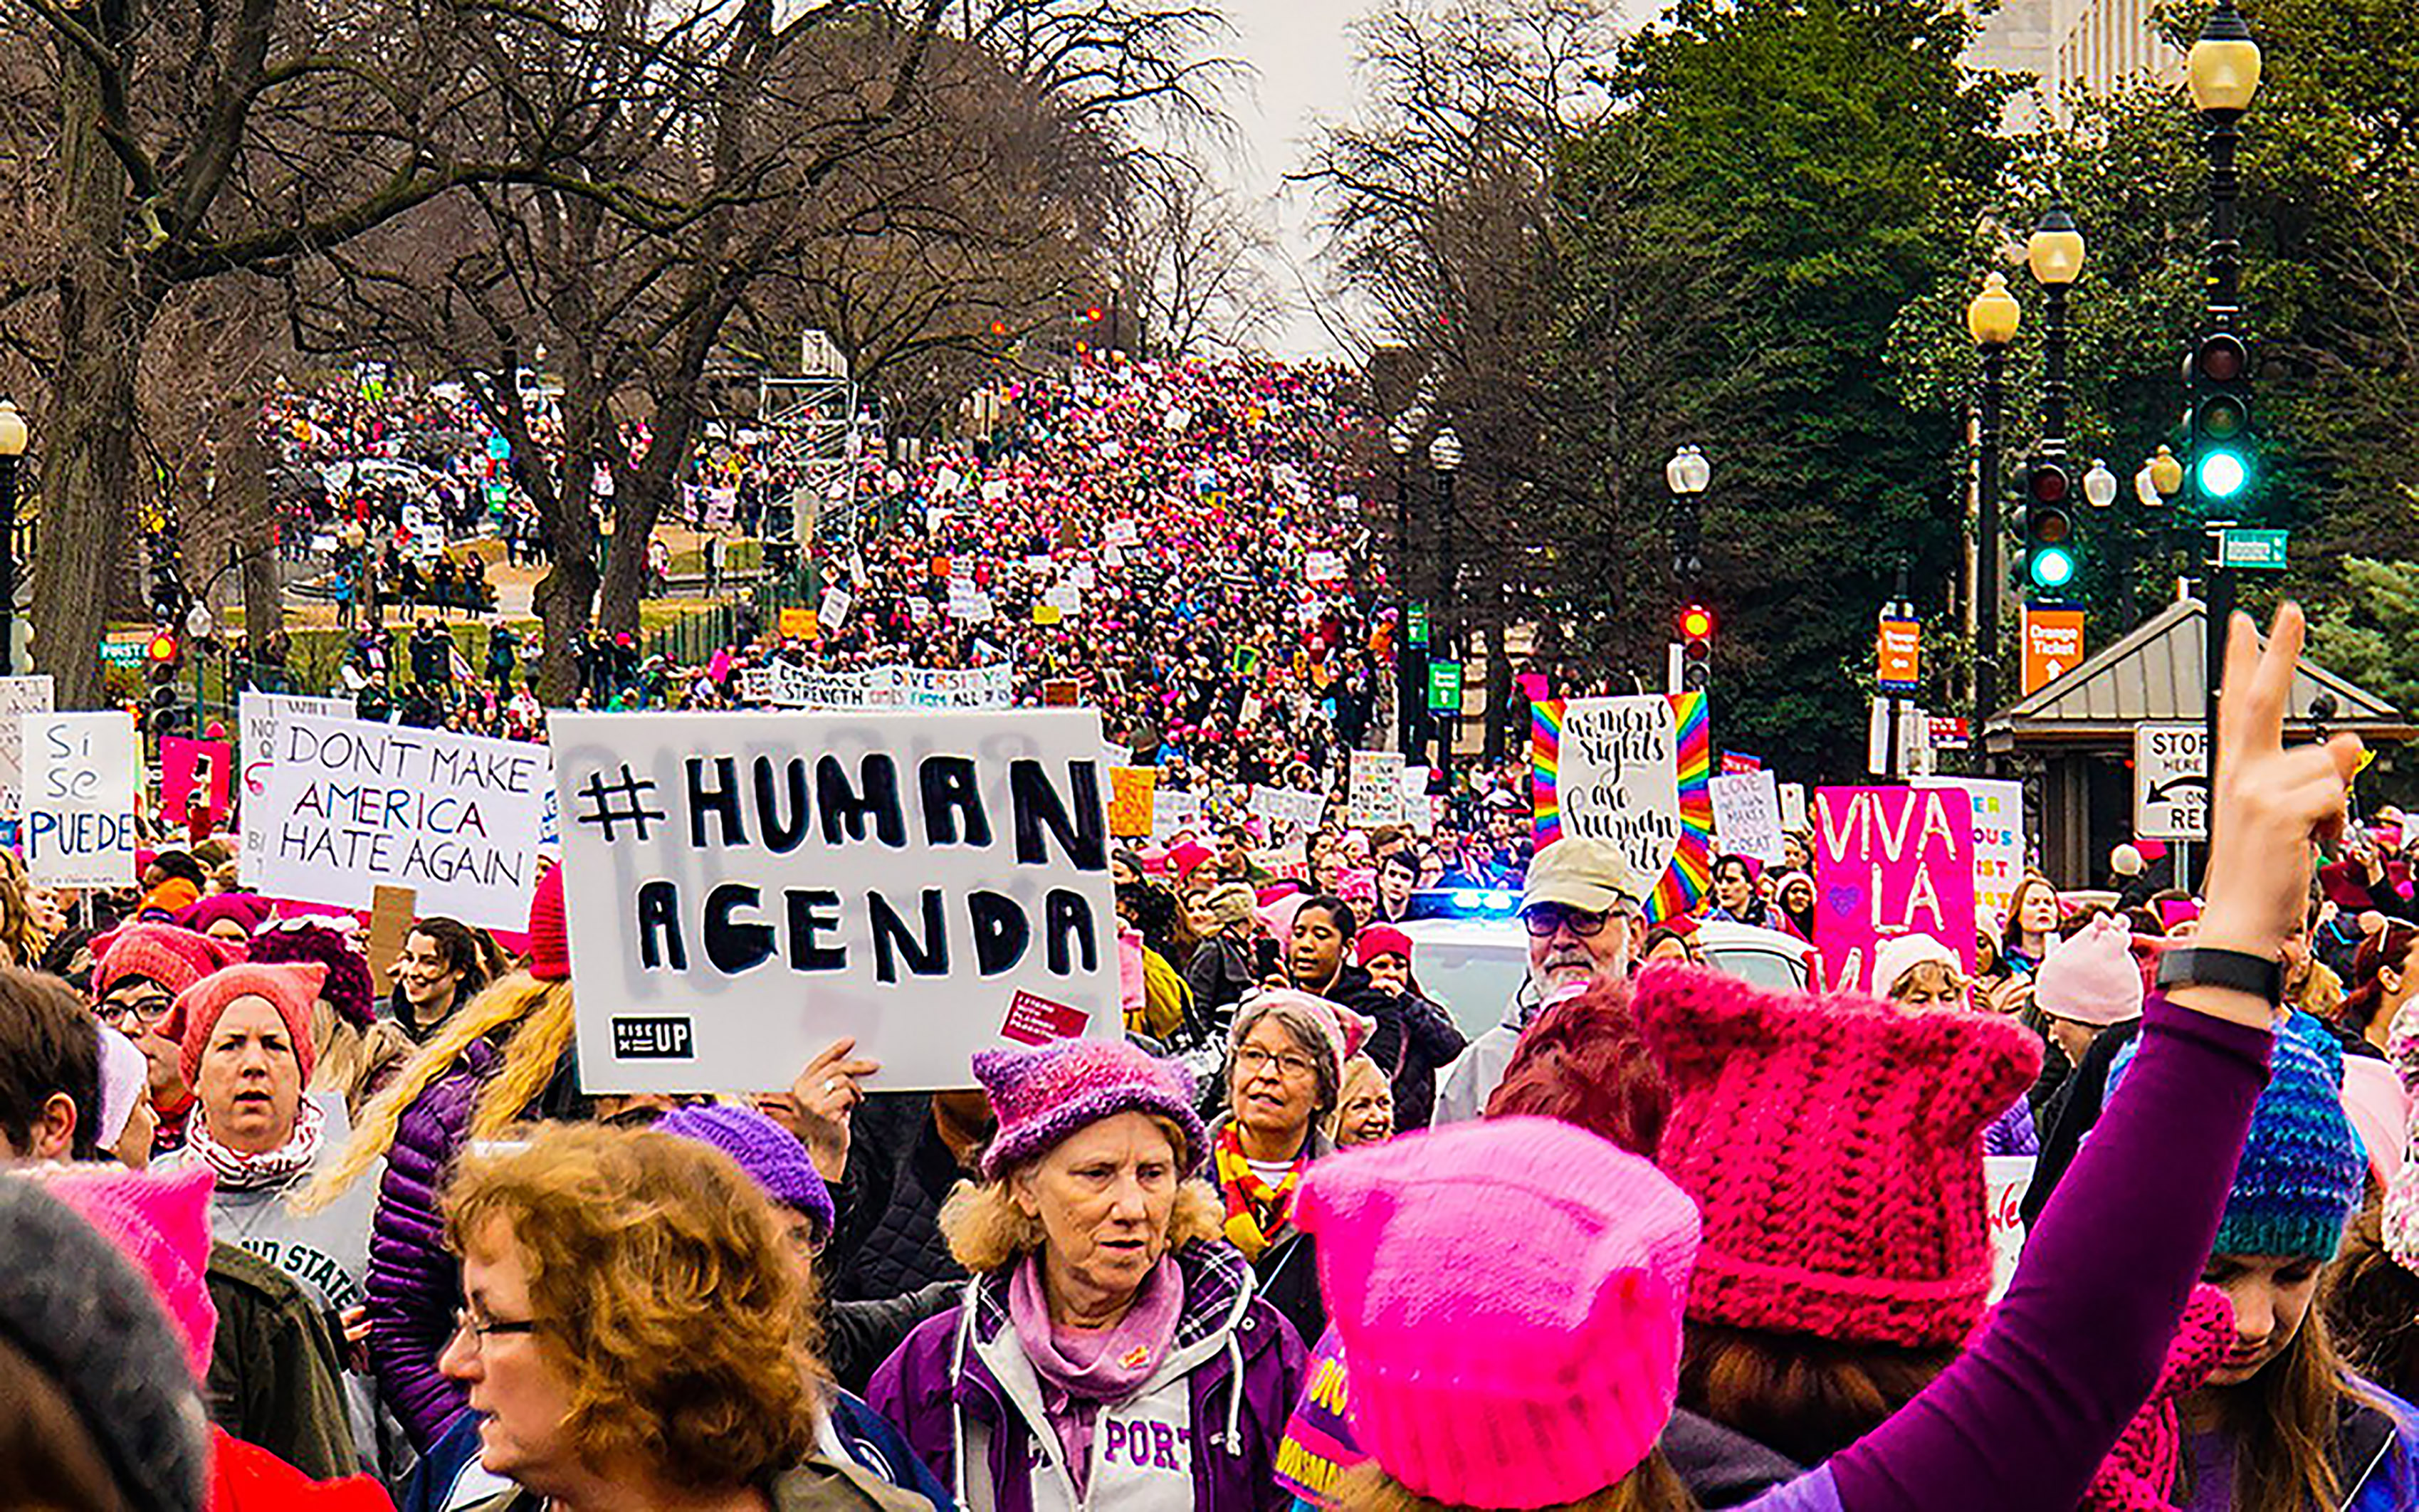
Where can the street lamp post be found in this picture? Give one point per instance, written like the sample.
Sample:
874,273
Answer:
1401,437
1444,455
2055,253
13,447
1687,474
1991,319
2224,72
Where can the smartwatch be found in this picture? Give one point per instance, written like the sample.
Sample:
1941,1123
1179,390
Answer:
2262,977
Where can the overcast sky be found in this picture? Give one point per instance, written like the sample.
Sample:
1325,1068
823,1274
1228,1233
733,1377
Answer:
1302,60
1302,54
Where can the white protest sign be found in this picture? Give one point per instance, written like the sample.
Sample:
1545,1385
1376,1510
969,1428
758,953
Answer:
832,612
743,889
18,696
257,718
1288,806
1322,566
1793,805
348,804
81,771
1747,815
2005,1180
919,608
1619,779
1173,811
1374,796
1417,812
2170,781
1998,839
994,490
1122,532
1065,599
969,603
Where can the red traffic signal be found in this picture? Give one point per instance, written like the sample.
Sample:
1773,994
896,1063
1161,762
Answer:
1696,623
162,650
2221,357
1092,314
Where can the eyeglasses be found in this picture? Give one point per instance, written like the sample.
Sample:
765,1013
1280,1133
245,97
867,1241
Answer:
479,1329
146,1012
1546,919
1252,1061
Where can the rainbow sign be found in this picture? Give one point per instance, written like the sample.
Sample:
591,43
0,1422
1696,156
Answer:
1637,772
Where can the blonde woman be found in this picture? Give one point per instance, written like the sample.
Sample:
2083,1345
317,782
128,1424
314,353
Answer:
1150,1376
503,1060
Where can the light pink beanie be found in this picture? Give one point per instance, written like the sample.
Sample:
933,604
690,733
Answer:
1487,1373
162,1224
2093,977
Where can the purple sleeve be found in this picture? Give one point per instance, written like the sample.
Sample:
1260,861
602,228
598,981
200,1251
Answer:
2026,1415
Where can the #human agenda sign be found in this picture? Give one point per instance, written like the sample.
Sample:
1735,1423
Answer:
743,889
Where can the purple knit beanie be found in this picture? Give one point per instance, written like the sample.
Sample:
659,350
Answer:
349,989
1044,1094
770,1154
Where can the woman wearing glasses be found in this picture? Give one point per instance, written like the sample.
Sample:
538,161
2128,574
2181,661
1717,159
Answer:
137,972
1285,1075
639,1331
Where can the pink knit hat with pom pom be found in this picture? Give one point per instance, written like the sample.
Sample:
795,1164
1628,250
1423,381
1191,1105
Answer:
1835,1149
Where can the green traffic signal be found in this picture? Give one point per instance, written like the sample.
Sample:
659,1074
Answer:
2221,474
2050,567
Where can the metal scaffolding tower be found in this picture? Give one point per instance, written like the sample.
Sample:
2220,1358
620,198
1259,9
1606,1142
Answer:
812,419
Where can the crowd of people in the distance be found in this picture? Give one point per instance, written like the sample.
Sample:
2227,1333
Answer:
1659,1239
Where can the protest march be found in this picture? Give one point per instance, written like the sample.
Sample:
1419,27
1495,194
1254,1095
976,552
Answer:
1070,1052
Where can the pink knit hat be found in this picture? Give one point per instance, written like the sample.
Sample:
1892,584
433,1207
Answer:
173,956
162,1224
1495,1373
1044,1094
549,933
2092,977
1380,939
1835,1149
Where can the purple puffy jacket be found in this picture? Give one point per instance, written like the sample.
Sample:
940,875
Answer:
415,1282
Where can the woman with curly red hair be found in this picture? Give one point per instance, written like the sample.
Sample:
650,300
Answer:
639,1331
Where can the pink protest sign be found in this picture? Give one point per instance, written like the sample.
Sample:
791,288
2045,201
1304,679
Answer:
191,766
1890,861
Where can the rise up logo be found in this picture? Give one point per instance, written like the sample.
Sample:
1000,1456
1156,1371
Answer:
654,1039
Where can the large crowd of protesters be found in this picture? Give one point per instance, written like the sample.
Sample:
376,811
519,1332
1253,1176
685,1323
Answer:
289,1226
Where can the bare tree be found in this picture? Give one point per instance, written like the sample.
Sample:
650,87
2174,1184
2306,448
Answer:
181,141
1192,261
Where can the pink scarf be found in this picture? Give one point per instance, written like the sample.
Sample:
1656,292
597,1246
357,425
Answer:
240,1171
1081,1369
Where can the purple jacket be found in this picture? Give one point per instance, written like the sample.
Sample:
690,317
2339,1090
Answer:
937,1375
415,1283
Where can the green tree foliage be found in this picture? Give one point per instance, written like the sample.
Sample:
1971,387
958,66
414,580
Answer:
2331,230
1823,161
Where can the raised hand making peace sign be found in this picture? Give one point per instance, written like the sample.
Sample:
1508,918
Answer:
2272,807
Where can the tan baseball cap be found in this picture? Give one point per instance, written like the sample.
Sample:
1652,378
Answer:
1593,876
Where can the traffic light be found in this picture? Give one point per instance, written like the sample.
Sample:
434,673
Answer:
162,657
1092,315
168,595
1696,647
2220,376
2049,524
